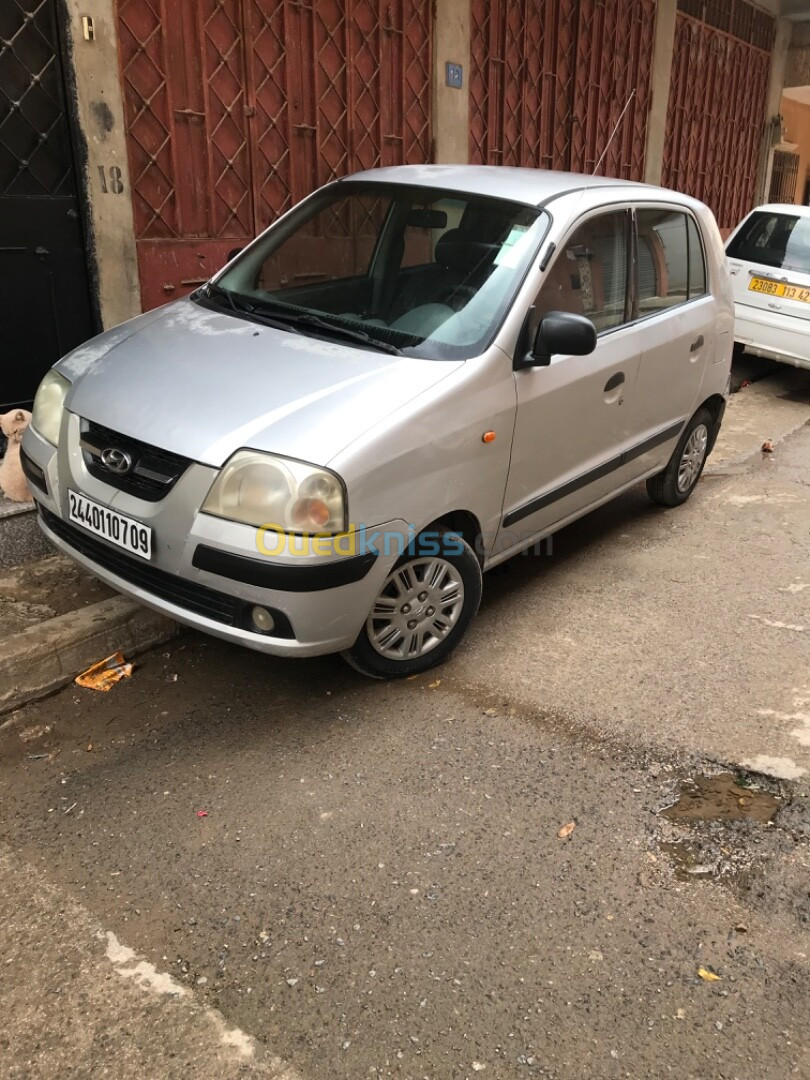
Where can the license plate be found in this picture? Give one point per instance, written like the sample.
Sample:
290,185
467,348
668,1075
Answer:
123,531
782,289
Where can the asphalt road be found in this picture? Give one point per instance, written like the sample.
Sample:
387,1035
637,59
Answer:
232,865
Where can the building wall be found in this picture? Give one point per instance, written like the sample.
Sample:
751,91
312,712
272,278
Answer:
216,118
100,111
798,59
451,104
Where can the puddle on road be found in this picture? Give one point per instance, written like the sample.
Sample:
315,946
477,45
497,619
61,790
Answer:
707,819
724,797
688,862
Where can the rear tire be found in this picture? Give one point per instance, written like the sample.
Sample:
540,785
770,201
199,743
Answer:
675,484
422,611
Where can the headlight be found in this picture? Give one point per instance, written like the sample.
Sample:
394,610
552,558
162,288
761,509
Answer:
49,405
259,489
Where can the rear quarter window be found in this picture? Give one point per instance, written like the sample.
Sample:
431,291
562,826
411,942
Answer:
663,263
697,261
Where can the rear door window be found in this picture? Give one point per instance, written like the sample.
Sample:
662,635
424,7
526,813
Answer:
772,238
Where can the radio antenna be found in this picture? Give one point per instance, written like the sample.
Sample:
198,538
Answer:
613,133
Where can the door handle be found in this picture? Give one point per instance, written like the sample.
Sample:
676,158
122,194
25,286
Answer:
614,381
696,344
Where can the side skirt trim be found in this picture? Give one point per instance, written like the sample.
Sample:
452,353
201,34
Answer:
524,511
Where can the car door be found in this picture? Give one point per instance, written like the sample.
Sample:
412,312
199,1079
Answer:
571,426
677,320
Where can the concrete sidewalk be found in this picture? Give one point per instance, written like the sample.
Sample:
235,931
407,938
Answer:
56,620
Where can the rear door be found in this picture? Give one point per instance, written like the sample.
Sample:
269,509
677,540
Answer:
769,260
676,321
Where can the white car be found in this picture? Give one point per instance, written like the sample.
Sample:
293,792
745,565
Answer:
769,262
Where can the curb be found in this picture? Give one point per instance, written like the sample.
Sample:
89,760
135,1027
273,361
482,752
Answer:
21,539
46,657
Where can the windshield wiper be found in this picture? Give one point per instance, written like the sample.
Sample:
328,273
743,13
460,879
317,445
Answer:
346,332
292,321
306,318
243,307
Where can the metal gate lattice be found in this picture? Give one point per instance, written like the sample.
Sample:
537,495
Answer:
236,109
35,154
225,110
550,79
715,118
268,92
784,177
146,101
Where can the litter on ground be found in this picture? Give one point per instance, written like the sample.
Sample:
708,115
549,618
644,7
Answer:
104,674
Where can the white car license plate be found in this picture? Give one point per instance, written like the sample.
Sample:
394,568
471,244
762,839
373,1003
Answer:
123,531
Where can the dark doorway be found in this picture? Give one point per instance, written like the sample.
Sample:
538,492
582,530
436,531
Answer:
45,307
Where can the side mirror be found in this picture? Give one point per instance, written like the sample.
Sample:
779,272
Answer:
561,332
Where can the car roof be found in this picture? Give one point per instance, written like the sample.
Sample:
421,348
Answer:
529,186
783,208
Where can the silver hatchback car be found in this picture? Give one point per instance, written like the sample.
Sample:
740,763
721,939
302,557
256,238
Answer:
410,377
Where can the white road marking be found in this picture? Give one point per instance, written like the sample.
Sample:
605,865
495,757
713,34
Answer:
126,964
143,973
781,767
776,624
800,716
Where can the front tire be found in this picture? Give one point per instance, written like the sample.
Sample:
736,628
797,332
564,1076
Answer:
675,484
422,610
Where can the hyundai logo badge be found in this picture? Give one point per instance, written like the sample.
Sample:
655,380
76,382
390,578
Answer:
117,461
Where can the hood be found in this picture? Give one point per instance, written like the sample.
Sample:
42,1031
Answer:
203,384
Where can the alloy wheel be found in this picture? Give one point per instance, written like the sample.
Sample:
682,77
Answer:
417,607
692,458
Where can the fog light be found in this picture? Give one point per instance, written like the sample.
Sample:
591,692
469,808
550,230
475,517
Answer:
262,619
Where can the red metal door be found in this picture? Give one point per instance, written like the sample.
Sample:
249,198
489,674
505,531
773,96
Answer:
236,109
550,80
716,115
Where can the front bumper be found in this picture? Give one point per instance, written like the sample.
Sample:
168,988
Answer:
775,336
206,573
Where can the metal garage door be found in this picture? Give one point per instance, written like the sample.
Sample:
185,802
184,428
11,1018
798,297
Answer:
45,307
236,109
550,80
717,102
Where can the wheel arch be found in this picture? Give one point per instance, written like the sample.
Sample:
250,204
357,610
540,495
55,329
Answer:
466,524
716,405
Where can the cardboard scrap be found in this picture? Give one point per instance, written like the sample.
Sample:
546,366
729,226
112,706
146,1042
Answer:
104,674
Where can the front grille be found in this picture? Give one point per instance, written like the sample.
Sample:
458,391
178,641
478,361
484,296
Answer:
185,594
154,471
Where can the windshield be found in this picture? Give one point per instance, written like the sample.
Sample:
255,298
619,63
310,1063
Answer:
409,270
774,239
